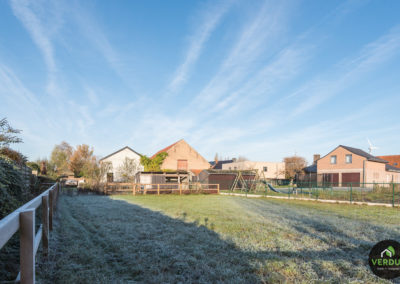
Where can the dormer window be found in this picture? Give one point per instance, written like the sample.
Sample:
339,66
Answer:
333,159
349,159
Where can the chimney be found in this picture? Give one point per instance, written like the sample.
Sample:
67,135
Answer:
316,157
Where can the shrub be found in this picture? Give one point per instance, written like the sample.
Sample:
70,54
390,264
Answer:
16,156
13,192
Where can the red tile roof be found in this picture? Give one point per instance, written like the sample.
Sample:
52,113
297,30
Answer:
196,172
394,160
165,149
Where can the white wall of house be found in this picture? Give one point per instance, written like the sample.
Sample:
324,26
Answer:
118,158
271,170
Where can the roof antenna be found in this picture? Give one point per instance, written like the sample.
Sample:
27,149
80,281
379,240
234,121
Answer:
371,147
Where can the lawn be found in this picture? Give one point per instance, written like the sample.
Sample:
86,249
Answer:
211,239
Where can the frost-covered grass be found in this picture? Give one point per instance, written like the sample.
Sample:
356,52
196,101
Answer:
211,239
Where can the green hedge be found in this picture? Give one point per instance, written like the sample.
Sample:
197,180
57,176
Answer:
13,192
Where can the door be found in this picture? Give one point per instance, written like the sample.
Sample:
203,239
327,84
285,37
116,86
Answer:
352,179
335,179
110,177
331,179
182,165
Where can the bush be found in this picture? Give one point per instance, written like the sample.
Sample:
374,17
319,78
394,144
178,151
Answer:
16,156
13,192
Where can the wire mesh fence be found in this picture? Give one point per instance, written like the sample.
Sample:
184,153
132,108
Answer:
379,193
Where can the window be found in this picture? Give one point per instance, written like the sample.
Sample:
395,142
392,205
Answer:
235,168
395,164
182,165
333,159
265,169
349,159
230,168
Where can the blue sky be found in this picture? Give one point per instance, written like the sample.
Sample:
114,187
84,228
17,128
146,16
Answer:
261,79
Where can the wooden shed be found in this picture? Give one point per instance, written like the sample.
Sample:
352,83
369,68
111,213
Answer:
224,178
176,177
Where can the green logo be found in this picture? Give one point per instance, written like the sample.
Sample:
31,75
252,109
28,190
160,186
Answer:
389,251
384,261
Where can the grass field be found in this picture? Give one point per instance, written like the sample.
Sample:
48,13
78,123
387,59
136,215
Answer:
211,239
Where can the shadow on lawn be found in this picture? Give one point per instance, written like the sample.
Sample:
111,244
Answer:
100,240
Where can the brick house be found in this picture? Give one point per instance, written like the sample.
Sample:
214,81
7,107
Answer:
345,165
182,157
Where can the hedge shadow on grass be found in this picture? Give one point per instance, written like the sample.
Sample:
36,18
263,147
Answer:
101,240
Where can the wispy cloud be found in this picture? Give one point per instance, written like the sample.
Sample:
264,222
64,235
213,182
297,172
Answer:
348,72
24,11
255,40
92,30
210,19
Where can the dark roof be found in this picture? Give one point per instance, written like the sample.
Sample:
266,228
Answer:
390,168
364,154
126,147
218,165
224,172
311,169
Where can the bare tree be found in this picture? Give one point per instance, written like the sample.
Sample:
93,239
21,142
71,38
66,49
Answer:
293,165
60,157
128,170
97,174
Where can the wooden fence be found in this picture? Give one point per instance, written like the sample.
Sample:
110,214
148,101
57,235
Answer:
142,188
23,219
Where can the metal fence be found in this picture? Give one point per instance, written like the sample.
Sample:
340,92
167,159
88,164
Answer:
376,193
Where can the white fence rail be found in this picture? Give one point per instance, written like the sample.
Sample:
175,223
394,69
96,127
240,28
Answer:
23,219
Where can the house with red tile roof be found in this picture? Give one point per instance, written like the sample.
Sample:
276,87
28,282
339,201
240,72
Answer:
393,160
183,157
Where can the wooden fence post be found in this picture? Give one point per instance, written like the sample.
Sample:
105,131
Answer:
45,221
58,190
133,189
55,197
158,189
180,188
51,203
218,187
27,246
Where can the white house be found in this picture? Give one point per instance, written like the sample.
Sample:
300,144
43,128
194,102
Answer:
267,170
117,160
